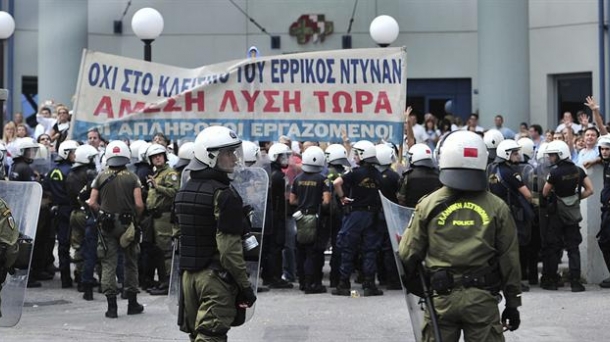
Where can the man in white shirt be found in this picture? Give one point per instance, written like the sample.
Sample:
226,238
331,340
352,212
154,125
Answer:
473,124
568,121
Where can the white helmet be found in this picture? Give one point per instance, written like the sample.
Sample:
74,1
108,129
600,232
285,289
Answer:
142,148
527,147
313,159
135,148
604,141
541,150
385,155
463,160
421,154
493,138
336,154
117,153
211,141
505,148
26,148
153,150
559,147
277,150
366,151
251,151
65,148
84,155
185,153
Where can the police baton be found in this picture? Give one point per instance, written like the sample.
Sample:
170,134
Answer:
429,302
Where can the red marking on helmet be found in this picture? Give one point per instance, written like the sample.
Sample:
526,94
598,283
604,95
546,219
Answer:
428,151
116,149
471,152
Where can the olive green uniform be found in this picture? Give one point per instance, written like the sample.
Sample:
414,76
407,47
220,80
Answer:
116,198
475,231
210,295
159,202
9,233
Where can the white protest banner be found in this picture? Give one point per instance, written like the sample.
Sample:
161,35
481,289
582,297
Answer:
306,96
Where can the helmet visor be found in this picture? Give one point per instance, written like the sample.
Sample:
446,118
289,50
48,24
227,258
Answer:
229,158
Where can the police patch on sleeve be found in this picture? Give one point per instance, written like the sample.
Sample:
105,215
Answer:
11,222
518,176
174,177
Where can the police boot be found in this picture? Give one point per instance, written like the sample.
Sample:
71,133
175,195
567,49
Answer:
88,291
343,288
576,285
133,307
370,289
112,307
66,280
314,286
160,290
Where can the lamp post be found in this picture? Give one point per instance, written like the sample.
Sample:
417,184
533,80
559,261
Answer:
147,24
7,27
384,30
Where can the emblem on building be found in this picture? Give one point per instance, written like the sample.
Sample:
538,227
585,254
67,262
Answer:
311,27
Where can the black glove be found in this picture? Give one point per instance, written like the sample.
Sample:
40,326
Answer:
246,296
512,316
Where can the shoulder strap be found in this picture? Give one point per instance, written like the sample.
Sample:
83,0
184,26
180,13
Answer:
108,180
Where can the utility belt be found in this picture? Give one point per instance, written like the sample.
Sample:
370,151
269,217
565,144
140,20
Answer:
157,213
107,220
443,281
368,208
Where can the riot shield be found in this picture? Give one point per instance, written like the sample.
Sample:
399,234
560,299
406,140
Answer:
252,185
23,198
397,218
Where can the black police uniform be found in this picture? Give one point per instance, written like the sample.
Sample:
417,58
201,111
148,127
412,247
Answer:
386,266
603,237
566,179
417,182
334,221
308,188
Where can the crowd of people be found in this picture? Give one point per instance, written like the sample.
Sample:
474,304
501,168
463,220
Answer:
119,210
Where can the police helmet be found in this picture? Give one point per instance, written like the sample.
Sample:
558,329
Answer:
505,148
559,147
463,160
251,151
421,155
26,148
155,149
313,159
84,155
142,148
385,154
492,139
185,153
279,149
336,154
65,148
134,146
117,153
541,150
527,147
211,141
366,151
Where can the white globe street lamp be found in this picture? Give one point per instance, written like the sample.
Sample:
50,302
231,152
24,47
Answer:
147,24
384,30
7,27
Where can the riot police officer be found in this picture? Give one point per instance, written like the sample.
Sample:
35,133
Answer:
336,158
55,184
22,158
360,231
163,185
467,238
84,232
603,237
9,233
214,279
390,181
420,179
120,204
310,194
492,139
566,184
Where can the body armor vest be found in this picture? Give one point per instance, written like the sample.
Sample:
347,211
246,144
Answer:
420,182
194,206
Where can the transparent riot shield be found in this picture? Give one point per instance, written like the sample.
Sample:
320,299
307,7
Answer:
23,198
252,184
398,218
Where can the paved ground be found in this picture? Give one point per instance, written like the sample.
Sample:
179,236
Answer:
54,314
